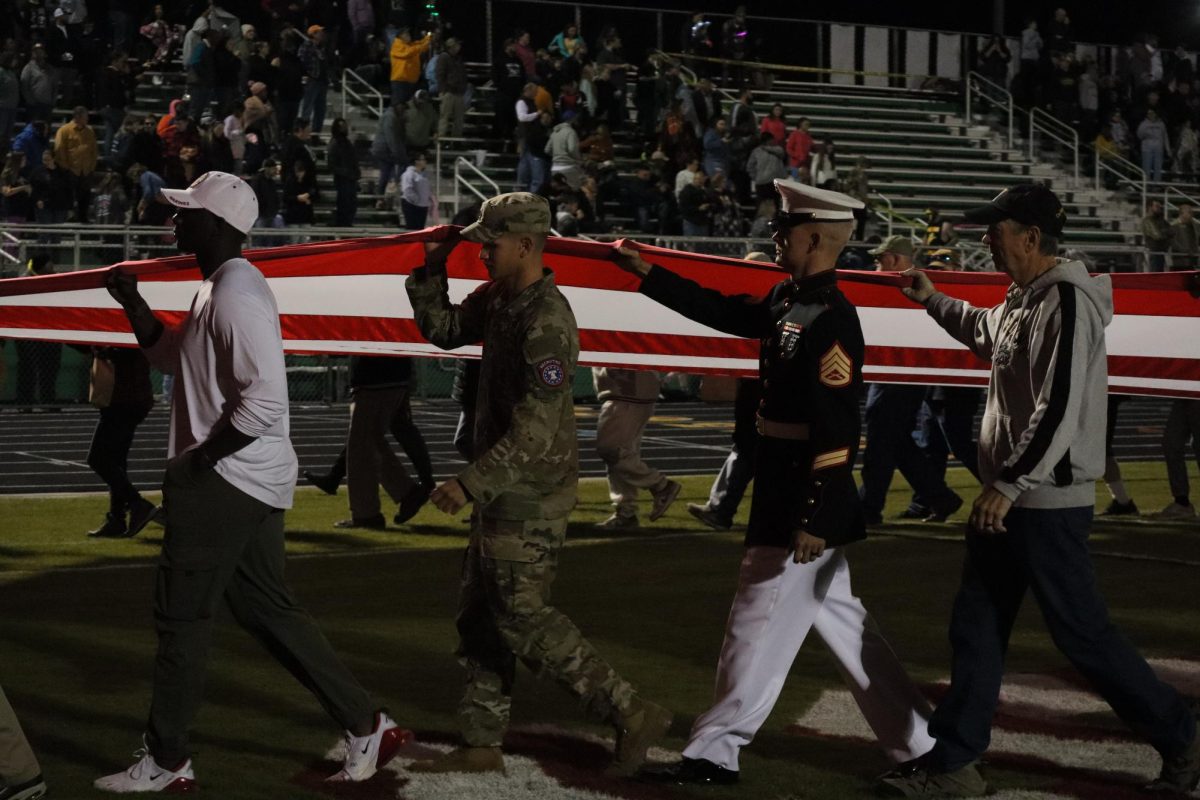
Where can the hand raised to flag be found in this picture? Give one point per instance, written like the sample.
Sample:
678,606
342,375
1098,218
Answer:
630,260
123,287
921,288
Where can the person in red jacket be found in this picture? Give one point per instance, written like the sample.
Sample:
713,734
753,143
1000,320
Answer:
799,146
775,124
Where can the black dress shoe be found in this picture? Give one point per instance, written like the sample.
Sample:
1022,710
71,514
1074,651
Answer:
411,503
692,771
375,523
140,514
113,528
942,513
29,790
322,482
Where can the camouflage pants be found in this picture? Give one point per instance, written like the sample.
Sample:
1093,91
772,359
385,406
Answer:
504,614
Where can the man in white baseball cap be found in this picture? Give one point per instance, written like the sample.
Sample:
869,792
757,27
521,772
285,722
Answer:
230,474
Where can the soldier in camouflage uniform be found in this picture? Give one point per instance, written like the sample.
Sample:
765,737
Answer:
523,481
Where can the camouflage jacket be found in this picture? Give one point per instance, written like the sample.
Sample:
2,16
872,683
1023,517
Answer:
526,463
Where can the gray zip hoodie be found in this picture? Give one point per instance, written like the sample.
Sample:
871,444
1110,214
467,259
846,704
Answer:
1042,440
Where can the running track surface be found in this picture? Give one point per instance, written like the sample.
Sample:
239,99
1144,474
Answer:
46,452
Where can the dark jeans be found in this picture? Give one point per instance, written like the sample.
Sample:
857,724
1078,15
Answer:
37,369
414,215
221,543
950,428
313,105
1045,550
738,470
347,201
82,187
109,454
288,110
891,419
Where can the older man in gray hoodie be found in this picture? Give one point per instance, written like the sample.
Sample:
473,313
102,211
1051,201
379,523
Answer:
1041,449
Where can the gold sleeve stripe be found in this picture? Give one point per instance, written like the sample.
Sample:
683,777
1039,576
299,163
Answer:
833,458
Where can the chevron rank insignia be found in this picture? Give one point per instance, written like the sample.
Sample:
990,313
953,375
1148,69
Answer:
836,367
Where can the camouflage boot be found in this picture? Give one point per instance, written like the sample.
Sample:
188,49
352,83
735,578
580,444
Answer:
641,727
464,759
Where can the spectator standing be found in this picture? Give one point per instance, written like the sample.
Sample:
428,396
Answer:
75,150
405,56
1155,144
265,184
735,45
526,55
110,204
39,84
1185,239
1060,37
686,176
994,59
452,82
1089,100
1157,236
765,166
32,142
296,148
565,158
146,148
64,52
727,219
300,194
362,22
218,149
416,194
799,150
389,151
227,81
342,159
530,167
10,99
289,89
1031,57
1119,132
567,41
121,412
235,131
717,147
420,122
509,76
695,208
706,103
200,66
775,124
150,209
246,46
1187,152
316,56
824,166
612,59
16,192
112,95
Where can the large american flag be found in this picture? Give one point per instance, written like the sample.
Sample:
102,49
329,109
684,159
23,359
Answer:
348,296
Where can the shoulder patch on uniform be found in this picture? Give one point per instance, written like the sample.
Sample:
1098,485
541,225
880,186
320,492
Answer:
836,367
552,372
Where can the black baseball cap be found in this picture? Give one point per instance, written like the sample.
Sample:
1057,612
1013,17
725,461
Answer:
1026,203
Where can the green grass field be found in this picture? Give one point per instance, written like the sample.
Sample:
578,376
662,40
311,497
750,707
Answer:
76,643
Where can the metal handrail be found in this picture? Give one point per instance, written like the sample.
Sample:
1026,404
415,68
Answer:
363,98
891,211
1108,162
1072,142
7,256
1008,103
1168,190
459,179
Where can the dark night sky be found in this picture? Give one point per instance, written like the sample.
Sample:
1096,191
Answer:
1108,21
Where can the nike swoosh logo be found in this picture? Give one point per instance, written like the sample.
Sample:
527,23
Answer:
365,749
156,777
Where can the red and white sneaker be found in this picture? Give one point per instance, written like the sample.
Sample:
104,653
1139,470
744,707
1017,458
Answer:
147,776
366,754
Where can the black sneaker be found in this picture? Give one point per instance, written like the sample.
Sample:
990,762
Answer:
114,527
1116,509
323,482
411,503
916,511
691,771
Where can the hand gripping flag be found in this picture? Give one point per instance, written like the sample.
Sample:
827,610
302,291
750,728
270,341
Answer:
347,296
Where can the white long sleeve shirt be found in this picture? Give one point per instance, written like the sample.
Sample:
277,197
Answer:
227,359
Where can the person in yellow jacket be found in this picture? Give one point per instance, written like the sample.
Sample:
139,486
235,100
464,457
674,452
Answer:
75,151
406,64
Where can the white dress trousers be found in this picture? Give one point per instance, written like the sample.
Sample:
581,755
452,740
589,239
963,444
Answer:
776,604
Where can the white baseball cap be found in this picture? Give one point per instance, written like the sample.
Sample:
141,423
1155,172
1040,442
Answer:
227,196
